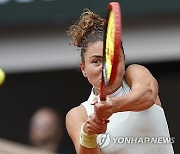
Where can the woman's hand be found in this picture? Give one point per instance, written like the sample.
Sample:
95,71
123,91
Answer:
104,109
94,125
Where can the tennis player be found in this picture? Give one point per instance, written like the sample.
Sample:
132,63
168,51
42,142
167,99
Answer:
131,121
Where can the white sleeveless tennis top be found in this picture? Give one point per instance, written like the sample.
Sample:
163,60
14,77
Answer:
144,132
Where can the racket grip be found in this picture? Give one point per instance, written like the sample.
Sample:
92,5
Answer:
100,100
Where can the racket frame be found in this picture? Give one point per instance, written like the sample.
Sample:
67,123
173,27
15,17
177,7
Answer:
115,8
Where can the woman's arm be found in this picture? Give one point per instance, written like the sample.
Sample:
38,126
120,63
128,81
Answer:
75,118
144,90
138,76
144,93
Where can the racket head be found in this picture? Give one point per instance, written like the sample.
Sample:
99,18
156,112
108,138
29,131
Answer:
111,46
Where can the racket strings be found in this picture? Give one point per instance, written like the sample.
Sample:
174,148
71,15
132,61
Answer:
110,45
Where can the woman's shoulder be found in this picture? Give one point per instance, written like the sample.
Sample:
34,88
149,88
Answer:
135,67
136,72
77,112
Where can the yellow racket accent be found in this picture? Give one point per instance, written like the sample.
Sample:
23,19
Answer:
110,44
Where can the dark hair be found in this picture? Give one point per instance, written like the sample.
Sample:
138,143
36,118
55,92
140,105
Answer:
88,29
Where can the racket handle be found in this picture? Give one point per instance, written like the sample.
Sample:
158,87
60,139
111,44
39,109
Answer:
101,99
102,96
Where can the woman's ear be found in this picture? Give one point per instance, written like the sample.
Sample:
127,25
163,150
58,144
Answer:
82,66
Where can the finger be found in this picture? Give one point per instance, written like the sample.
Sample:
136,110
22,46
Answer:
94,128
107,121
101,120
95,121
94,103
103,106
99,107
94,118
102,116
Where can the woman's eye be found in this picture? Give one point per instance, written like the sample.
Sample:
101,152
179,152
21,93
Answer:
96,61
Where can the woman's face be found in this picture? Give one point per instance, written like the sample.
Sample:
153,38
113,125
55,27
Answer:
92,67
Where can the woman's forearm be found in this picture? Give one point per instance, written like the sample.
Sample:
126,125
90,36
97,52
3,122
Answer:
140,98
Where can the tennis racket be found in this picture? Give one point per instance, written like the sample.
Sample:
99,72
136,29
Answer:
111,46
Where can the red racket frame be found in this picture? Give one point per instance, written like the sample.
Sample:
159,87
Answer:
115,7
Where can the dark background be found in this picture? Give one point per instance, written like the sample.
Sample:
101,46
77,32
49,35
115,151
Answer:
33,12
